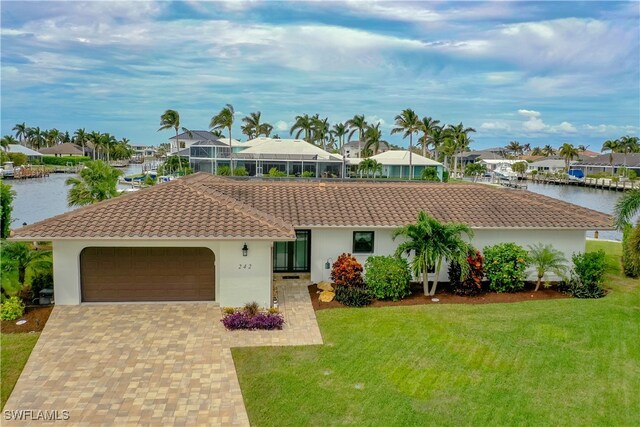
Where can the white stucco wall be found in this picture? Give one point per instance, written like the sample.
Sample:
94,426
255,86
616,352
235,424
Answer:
329,243
235,284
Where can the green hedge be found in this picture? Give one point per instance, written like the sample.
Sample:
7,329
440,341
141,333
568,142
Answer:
64,160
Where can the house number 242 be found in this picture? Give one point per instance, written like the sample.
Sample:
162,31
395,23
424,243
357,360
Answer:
244,266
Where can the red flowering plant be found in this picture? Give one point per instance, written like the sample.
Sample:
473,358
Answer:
469,283
347,271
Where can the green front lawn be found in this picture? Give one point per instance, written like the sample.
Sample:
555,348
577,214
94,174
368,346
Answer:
14,353
554,362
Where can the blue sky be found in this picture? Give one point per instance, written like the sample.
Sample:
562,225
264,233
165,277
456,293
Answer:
536,72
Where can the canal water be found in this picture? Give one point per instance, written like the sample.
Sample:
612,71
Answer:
41,198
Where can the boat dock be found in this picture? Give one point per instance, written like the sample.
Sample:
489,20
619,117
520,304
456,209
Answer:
602,183
25,172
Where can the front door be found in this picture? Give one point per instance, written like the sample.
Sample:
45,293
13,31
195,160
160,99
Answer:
293,256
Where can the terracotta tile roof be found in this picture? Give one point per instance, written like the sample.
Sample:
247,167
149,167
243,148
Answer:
177,209
206,206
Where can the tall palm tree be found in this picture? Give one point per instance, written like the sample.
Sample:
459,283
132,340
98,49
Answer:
611,146
427,126
439,136
321,130
80,137
515,148
370,167
548,150
537,151
224,120
628,144
171,119
545,258
251,125
36,137
526,148
357,124
626,208
340,130
95,138
568,153
108,141
408,123
303,123
460,137
264,129
433,242
6,140
22,131
52,137
96,182
20,256
373,139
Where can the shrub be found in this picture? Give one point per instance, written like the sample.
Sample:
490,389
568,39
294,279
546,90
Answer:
505,266
578,289
353,296
224,170
308,174
590,267
630,255
11,309
445,176
246,318
18,159
430,174
64,160
41,280
240,171
346,271
276,173
387,277
470,284
251,308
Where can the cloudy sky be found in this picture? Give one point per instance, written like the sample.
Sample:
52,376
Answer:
537,72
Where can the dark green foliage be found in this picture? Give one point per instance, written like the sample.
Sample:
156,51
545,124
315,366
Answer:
631,251
308,174
353,296
505,266
445,176
42,280
471,283
587,275
175,165
276,173
224,170
578,289
18,159
64,160
387,277
240,171
430,174
6,207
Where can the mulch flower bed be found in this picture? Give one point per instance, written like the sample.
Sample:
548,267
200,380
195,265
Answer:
417,297
36,318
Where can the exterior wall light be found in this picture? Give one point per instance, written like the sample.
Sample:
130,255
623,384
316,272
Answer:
327,265
245,250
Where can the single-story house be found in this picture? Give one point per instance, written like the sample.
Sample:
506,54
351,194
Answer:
468,157
31,154
204,237
549,164
395,164
498,164
66,149
613,163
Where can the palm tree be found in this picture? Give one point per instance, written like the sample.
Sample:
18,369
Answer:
80,137
108,141
171,119
548,151
340,130
36,137
321,130
96,182
626,208
217,133
357,124
568,153
95,138
433,242
439,137
224,120
52,137
20,256
6,140
461,141
264,129
612,146
373,139
369,167
22,131
515,148
427,126
409,123
537,151
628,144
545,258
526,148
251,125
304,124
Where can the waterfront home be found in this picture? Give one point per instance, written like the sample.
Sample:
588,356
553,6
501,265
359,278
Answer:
499,164
613,163
353,149
204,237
395,164
31,154
142,151
188,138
60,150
549,165
468,157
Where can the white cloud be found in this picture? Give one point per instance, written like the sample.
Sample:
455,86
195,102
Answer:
535,124
529,113
495,126
281,125
564,127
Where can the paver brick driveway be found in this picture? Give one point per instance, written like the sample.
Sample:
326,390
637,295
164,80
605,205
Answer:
128,364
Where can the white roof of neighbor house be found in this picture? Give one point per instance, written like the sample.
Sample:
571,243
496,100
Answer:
500,161
398,157
548,163
289,146
236,143
256,141
17,148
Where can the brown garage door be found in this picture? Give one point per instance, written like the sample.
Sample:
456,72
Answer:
147,274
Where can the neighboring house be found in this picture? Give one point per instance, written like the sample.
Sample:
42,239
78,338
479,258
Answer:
144,150
468,157
187,139
549,164
66,149
258,157
395,164
31,154
497,164
610,163
353,149
211,238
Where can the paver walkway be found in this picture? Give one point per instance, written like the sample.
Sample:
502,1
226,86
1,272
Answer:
147,364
